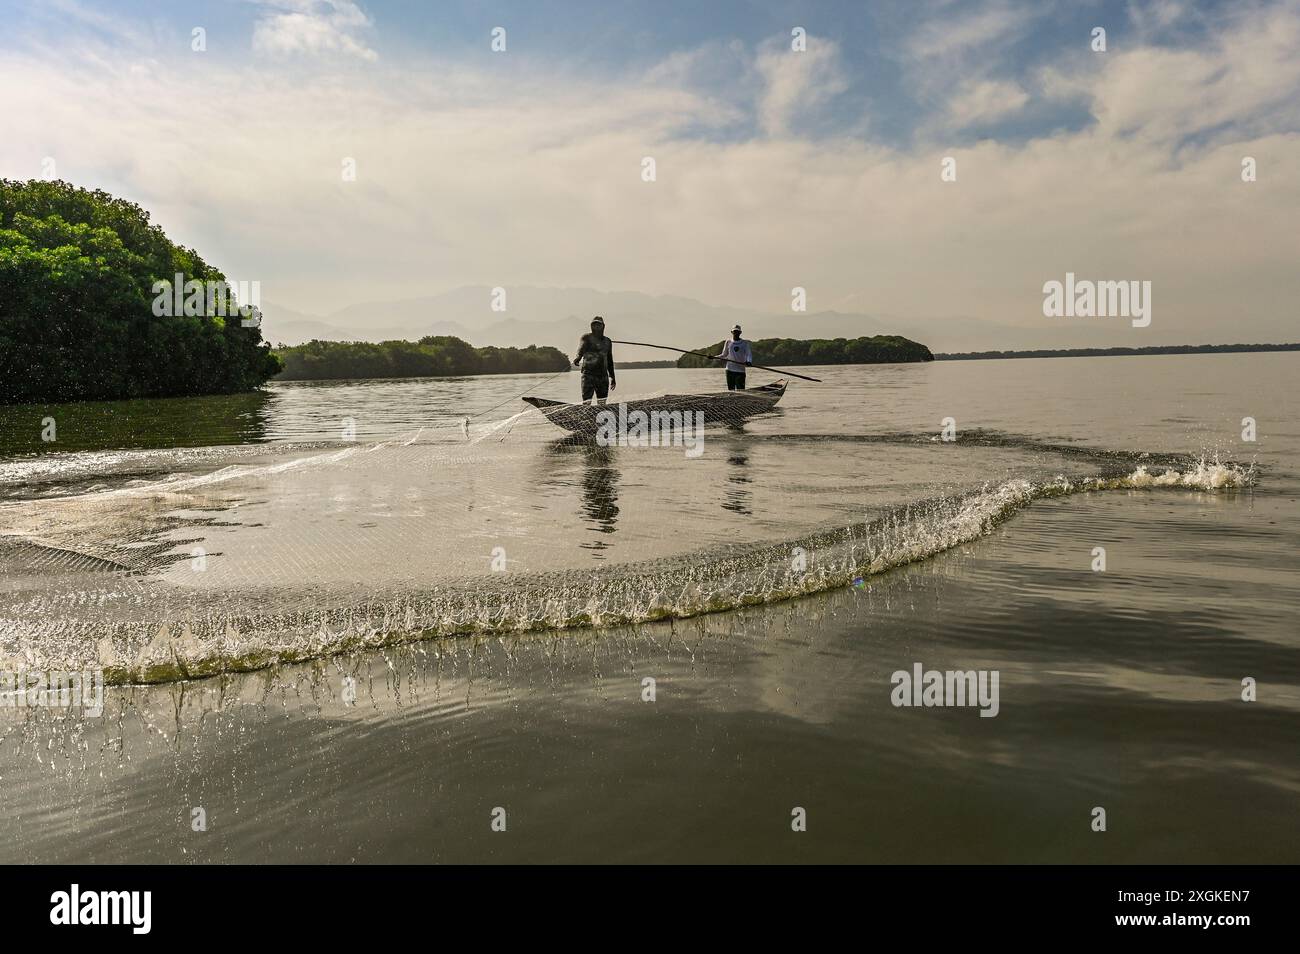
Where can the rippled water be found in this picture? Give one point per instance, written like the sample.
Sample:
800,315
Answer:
316,520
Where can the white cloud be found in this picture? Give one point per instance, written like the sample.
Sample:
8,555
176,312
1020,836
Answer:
796,83
1245,81
105,23
951,59
1154,15
475,176
313,27
954,34
985,101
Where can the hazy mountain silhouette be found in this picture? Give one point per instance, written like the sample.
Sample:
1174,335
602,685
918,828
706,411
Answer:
558,316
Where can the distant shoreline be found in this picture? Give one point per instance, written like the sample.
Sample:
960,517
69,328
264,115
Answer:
1112,352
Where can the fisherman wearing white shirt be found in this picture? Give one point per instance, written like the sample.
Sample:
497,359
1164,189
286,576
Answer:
738,357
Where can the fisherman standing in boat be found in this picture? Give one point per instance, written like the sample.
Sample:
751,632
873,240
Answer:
738,357
596,359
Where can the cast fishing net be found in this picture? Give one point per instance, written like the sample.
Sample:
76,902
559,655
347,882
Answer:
383,513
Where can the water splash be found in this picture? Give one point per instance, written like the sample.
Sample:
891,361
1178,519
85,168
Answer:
141,631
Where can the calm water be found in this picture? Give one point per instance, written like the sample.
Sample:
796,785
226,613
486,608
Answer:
160,539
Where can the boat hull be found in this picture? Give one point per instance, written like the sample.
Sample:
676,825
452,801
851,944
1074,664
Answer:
720,407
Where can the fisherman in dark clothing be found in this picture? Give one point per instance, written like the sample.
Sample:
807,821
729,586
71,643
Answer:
596,359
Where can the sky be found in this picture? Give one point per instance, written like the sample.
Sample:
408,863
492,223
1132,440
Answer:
774,168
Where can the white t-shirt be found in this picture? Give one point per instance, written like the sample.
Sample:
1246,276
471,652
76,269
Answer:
736,353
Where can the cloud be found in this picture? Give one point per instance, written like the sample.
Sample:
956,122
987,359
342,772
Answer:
1244,81
951,35
796,83
955,60
984,102
1151,17
72,11
313,28
468,174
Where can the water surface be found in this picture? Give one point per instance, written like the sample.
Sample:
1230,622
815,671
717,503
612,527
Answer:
334,517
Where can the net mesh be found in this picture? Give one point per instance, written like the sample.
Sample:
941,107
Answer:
157,565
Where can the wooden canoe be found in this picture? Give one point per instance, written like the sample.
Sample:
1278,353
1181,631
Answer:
718,407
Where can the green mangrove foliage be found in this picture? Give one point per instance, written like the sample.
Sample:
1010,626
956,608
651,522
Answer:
80,316
782,352
431,356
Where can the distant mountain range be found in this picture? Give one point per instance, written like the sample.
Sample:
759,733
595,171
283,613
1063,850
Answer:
559,316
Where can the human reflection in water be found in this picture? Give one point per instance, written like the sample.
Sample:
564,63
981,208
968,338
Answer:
598,482
600,490
737,496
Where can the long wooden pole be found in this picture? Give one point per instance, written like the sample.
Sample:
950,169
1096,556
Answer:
712,357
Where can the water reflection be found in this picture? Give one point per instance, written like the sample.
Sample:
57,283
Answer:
218,419
600,490
594,470
737,497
